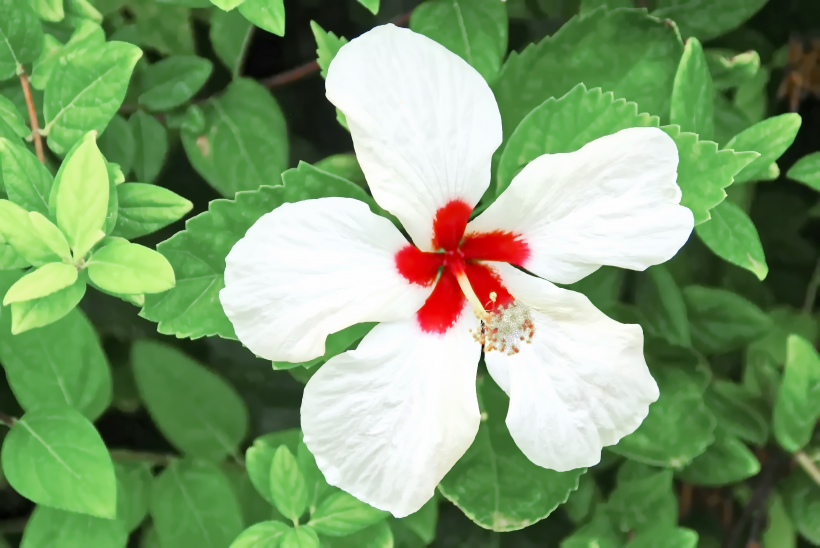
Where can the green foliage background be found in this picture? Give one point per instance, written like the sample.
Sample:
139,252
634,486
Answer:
169,126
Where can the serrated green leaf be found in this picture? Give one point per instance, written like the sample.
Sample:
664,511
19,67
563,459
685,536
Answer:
134,482
17,231
797,407
196,410
475,30
40,312
327,46
150,146
692,105
267,534
729,70
42,282
668,537
27,181
371,5
51,236
93,88
193,506
265,14
807,171
643,498
21,36
145,208
130,269
230,35
732,236
164,27
287,485
801,496
706,19
342,514
259,457
49,10
173,81
770,138
375,536
494,484
54,456
49,527
304,537
725,462
244,144
721,321
660,306
738,411
117,143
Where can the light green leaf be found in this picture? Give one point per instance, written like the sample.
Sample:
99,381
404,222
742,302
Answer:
52,528
13,118
721,321
44,281
40,312
52,236
28,182
150,146
93,87
21,36
732,236
9,259
173,81
327,46
16,230
79,197
287,485
226,5
494,484
780,530
134,481
371,5
244,144
164,27
729,70
798,402
801,495
54,457
265,14
304,537
692,105
49,10
117,143
725,462
193,506
627,52
342,514
770,138
375,536
668,537
475,30
144,209
643,498
267,534
196,410
706,19
807,171
230,36
660,306
86,36
317,486
738,411
259,457
130,269
83,9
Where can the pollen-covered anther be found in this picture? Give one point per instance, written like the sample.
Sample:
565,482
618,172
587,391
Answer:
507,328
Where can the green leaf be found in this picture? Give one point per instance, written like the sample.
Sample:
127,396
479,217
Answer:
259,458
801,495
163,27
375,536
661,307
317,486
193,506
44,281
494,484
423,522
798,402
21,36
49,527
17,230
267,534
668,537
732,236
54,457
87,36
151,146
93,85
173,81
599,532
50,10
287,485
51,236
706,19
581,503
371,5
692,105
780,531
255,509
327,46
244,144
9,259
226,5
738,411
475,30
725,462
345,166
130,269
565,125
304,537
134,481
117,143
40,312
643,498
730,70
770,138
27,180
265,14
342,514
13,119
79,197
62,363
196,410
230,36
721,321
627,52
144,209
807,171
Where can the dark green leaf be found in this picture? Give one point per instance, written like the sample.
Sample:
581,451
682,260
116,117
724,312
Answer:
145,208
134,482
706,19
801,495
117,143
173,81
721,321
807,171
52,528
643,498
738,411
150,146
661,307
230,34
798,402
725,462
265,14
668,537
21,36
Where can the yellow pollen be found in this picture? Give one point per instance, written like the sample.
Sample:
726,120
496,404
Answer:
465,286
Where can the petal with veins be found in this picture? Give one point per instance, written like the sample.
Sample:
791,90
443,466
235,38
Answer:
424,124
581,384
388,420
312,268
613,202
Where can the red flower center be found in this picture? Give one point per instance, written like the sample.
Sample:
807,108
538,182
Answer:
458,254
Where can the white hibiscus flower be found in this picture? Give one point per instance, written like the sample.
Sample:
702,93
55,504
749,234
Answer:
388,420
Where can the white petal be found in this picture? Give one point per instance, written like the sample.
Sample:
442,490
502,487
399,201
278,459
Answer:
581,384
424,123
614,202
312,268
388,420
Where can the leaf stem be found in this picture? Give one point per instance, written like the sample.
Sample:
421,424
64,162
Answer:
32,115
807,464
811,290
8,420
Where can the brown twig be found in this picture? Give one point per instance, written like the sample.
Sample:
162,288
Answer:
755,510
32,114
8,420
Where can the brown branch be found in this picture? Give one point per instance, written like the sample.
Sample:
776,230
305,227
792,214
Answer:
32,114
8,420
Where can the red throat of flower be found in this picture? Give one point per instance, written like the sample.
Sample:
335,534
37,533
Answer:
456,270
